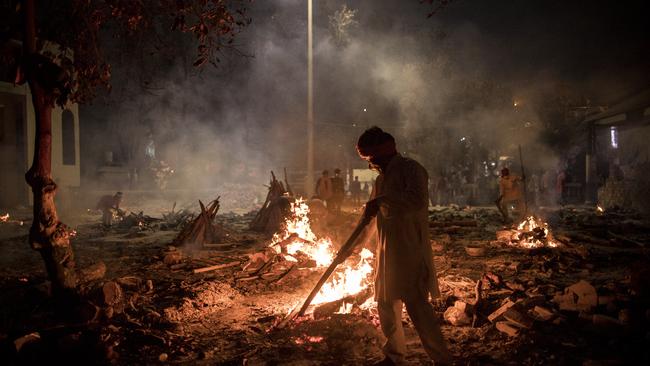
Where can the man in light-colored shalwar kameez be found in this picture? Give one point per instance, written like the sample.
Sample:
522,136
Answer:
404,269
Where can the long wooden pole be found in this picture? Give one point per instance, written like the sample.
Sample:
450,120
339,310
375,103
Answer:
343,253
523,178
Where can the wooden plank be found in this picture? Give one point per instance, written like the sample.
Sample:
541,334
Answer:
216,267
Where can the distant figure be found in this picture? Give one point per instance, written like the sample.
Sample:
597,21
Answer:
366,190
548,188
324,187
434,184
150,149
560,186
443,191
110,206
510,192
338,191
355,191
535,189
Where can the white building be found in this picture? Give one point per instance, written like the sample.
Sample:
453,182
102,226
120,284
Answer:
17,130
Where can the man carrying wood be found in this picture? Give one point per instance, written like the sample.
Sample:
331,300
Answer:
404,263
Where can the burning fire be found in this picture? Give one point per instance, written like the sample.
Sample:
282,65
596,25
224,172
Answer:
600,209
533,233
320,250
351,281
348,280
5,218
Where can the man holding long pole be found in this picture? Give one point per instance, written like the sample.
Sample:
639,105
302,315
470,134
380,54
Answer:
404,266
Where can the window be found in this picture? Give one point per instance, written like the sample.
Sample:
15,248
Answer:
613,137
67,138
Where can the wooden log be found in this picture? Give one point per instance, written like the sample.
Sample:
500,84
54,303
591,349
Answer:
329,308
285,274
246,279
216,267
625,239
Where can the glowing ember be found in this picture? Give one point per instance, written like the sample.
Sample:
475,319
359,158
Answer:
349,279
533,233
599,209
4,218
308,339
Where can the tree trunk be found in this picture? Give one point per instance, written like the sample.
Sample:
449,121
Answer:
47,235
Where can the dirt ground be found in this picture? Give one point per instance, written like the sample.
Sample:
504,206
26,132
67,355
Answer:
151,308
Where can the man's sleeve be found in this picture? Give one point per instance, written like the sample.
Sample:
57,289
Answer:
413,194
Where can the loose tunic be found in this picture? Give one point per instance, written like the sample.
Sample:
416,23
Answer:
324,188
404,264
509,188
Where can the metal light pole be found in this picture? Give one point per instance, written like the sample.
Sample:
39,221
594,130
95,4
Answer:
310,101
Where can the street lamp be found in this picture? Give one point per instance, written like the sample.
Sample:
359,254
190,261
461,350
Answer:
310,101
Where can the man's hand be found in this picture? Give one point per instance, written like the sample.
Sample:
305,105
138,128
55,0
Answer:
372,207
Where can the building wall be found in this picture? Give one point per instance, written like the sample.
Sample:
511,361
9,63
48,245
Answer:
633,145
66,176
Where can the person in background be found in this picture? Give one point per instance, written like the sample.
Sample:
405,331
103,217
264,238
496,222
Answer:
510,192
110,207
560,186
338,191
324,187
355,191
366,190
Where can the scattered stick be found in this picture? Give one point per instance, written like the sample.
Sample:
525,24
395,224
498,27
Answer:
625,239
216,267
285,274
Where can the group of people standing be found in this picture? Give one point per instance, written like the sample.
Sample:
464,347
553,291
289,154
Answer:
332,190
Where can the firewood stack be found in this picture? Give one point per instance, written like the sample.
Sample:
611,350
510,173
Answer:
271,215
202,229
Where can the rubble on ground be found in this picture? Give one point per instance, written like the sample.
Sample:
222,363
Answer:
582,301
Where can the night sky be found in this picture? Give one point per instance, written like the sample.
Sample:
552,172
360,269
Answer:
587,42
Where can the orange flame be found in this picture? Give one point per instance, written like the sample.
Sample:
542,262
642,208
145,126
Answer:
348,280
533,233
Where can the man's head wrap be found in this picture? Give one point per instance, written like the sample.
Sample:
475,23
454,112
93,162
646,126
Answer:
376,143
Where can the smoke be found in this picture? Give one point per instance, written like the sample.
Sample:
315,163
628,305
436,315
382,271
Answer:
439,86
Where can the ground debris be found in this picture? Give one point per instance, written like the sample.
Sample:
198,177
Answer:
580,296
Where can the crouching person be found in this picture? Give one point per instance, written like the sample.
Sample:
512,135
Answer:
109,206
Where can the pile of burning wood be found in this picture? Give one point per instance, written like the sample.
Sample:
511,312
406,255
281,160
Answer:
296,248
531,233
